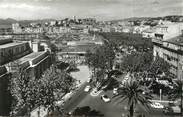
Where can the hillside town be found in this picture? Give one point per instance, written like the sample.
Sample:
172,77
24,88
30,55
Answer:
85,67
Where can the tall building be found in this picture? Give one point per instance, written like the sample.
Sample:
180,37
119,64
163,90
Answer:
168,44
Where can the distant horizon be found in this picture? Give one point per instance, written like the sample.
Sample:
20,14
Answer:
102,10
83,18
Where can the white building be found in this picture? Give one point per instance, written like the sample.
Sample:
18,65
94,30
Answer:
167,31
16,28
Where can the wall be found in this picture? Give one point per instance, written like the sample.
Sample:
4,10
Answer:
5,96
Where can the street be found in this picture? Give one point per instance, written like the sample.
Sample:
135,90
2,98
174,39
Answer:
83,74
111,109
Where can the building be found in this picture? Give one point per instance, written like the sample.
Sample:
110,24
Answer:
5,96
149,33
75,53
140,29
168,44
171,50
5,31
167,31
15,56
17,51
25,36
88,21
36,63
16,28
10,50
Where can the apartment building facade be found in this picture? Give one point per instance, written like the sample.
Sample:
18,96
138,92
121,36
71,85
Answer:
168,44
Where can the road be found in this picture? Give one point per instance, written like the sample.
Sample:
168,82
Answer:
76,98
111,109
83,74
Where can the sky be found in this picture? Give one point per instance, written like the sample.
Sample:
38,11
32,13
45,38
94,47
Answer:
99,9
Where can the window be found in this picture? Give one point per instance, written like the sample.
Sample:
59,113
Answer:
2,54
10,52
17,50
22,48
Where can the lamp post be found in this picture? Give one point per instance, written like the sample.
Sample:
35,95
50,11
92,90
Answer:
181,80
160,92
181,105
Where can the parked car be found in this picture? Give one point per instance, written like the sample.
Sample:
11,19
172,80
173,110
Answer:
172,110
87,88
105,98
156,105
115,91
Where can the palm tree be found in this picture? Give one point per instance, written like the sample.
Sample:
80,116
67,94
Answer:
134,94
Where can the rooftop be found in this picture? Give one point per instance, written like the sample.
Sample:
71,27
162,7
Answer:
4,40
176,40
31,56
11,44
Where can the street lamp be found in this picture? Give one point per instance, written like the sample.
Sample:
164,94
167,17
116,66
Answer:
181,105
160,92
181,80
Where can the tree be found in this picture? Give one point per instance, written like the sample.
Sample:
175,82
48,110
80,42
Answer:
177,92
53,47
137,62
29,92
54,85
127,39
86,112
101,60
19,87
159,66
133,93
88,57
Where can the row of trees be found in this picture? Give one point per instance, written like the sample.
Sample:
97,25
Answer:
101,61
128,39
29,93
140,65
144,62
